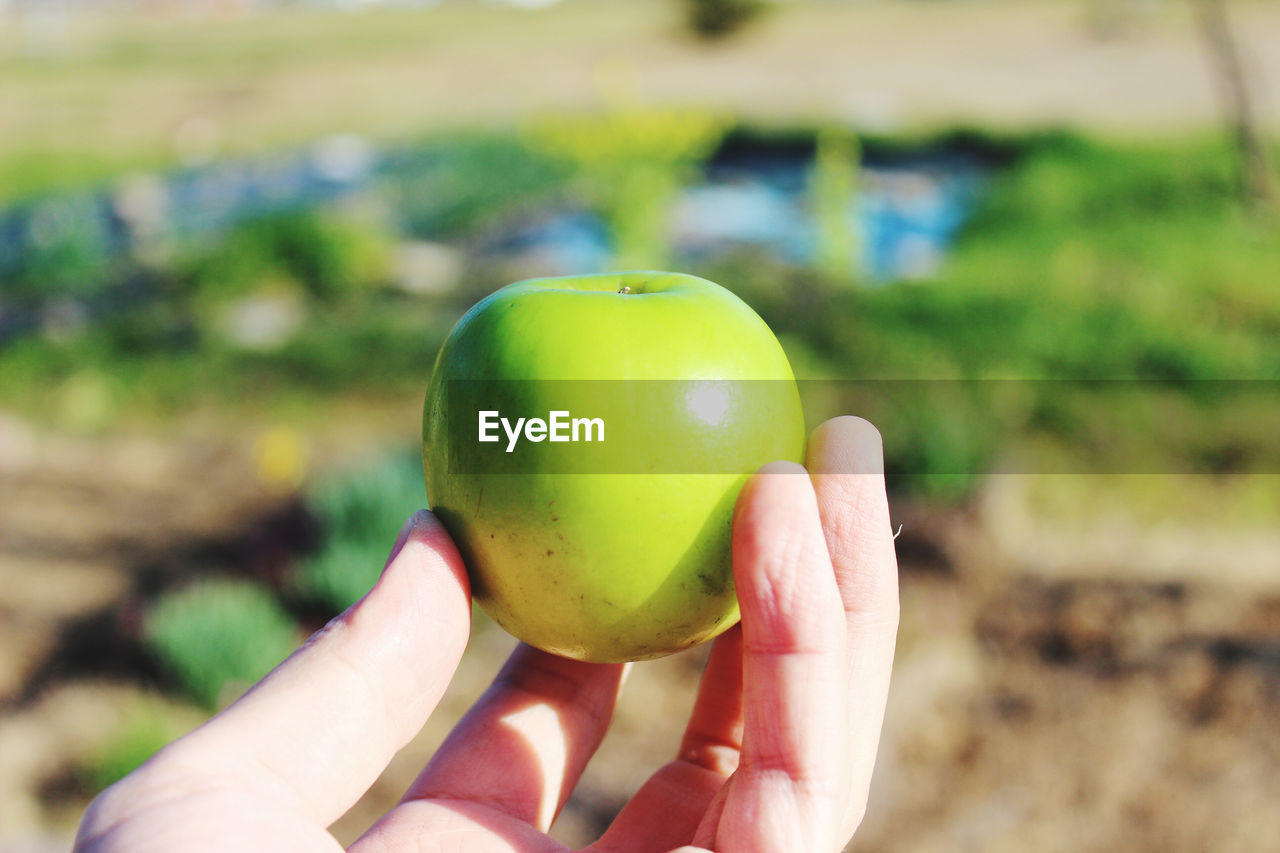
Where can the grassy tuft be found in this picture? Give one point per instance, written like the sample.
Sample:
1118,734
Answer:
217,637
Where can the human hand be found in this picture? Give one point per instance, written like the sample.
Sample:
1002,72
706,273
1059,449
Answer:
777,755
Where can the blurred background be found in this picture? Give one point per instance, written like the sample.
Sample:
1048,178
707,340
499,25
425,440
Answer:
1043,236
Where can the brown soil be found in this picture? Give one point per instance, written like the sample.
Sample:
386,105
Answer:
1130,66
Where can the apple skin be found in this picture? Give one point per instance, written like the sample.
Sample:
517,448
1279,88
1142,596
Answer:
607,567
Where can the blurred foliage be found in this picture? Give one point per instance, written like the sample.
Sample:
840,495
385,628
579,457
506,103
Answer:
137,737
833,188
1084,260
219,636
359,514
65,254
631,161
321,254
716,19
159,363
459,184
28,173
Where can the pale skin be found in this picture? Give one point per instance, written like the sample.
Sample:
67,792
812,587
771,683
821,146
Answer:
777,754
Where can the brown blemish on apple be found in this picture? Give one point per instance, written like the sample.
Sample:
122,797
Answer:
550,552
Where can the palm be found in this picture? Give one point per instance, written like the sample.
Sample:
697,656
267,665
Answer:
776,755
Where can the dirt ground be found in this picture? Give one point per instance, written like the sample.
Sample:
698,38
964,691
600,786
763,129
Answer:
137,91
1033,707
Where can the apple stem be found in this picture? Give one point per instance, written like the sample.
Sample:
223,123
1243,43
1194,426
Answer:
626,288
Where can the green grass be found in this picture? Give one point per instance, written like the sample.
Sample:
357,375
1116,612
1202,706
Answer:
359,514
320,256
460,183
218,637
138,736
1086,260
31,172
155,365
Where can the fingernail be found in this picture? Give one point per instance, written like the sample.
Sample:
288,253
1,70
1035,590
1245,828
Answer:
405,531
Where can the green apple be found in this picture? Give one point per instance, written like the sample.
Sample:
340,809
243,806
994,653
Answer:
610,542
